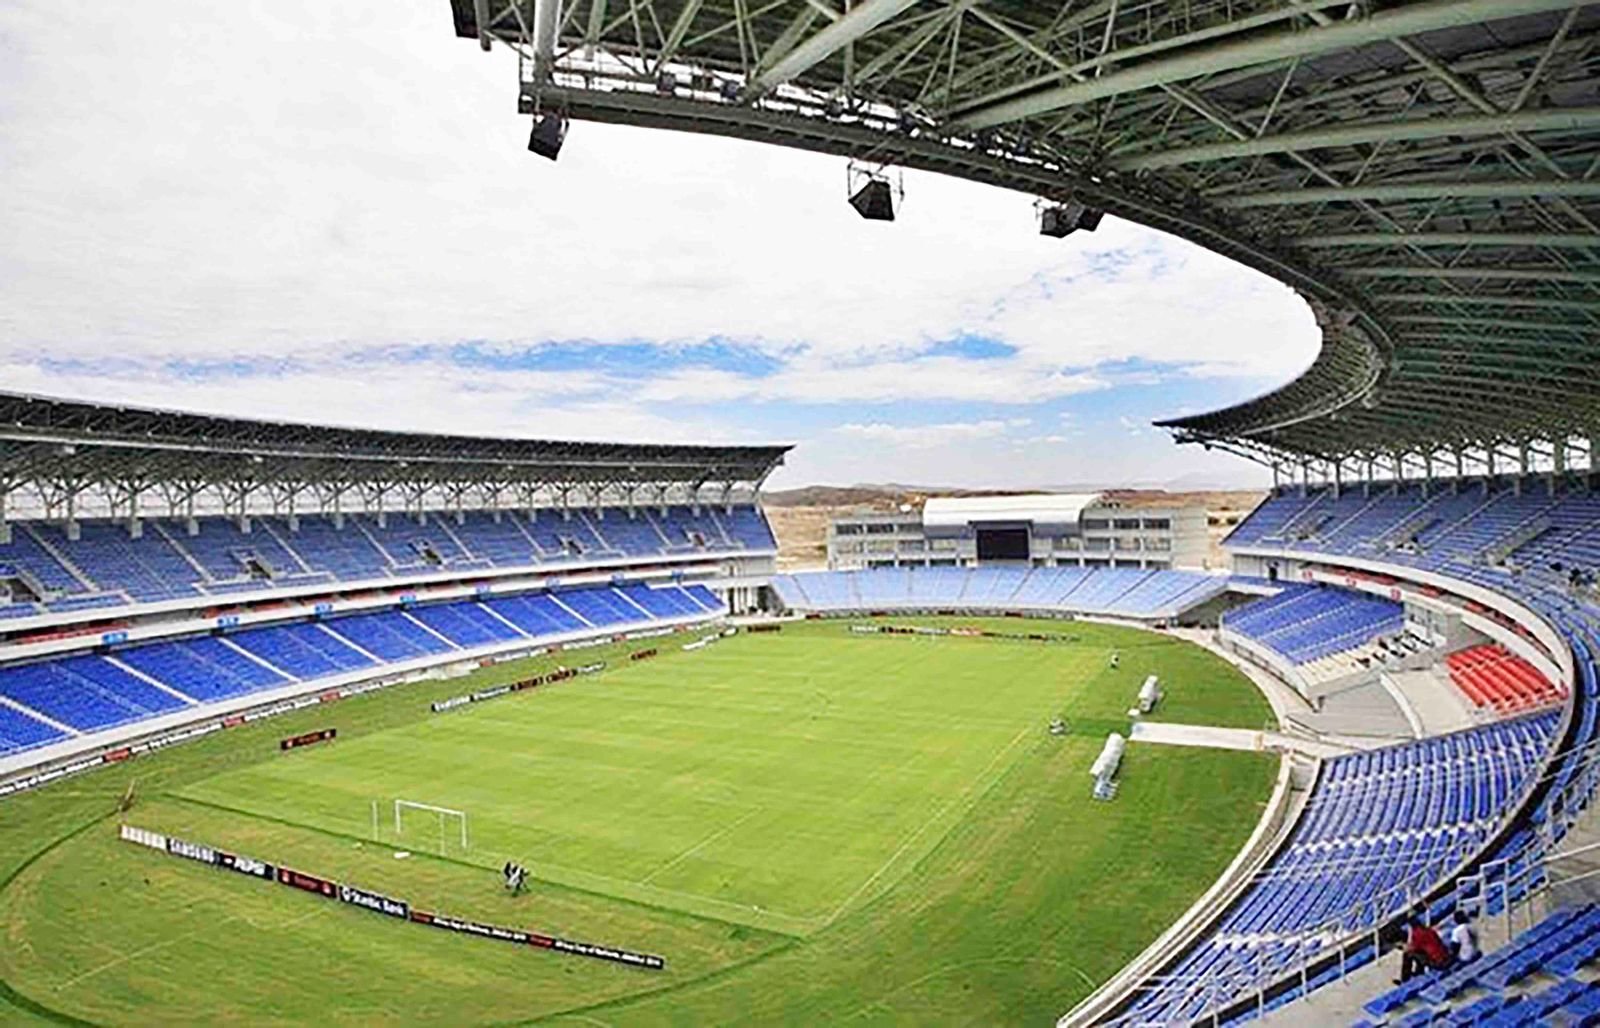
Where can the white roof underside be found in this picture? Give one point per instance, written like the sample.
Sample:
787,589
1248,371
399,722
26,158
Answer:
1039,508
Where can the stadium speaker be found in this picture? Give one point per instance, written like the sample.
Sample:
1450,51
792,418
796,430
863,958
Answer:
549,130
874,201
1089,220
1060,221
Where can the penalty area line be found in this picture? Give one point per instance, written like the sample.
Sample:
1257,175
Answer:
126,957
967,795
702,844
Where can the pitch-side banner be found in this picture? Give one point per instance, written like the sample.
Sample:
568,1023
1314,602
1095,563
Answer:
379,903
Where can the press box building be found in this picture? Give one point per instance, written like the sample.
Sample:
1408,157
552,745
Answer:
1041,529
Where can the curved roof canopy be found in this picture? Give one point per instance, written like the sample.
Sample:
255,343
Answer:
1425,172
71,442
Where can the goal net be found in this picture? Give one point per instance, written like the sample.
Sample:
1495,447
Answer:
427,822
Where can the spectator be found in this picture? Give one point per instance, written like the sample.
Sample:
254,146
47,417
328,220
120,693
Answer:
1463,940
1424,950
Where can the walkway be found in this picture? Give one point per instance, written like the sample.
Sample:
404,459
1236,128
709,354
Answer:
1232,739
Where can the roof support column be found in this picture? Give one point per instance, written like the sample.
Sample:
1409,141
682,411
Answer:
6,485
74,530
546,24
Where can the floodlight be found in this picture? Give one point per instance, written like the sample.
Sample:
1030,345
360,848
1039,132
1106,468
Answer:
874,201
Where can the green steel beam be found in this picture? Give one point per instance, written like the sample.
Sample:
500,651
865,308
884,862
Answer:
1487,300
1283,45
861,19
1553,240
1569,119
1506,274
1506,323
1427,192
1420,343
1432,346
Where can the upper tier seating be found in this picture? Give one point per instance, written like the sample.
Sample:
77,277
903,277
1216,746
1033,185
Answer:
1452,531
107,567
1131,592
1307,623
95,692
1379,826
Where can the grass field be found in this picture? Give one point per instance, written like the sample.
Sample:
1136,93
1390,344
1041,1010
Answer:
811,826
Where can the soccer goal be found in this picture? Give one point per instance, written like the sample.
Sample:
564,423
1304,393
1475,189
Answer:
444,816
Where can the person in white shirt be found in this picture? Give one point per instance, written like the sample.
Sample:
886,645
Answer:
1463,939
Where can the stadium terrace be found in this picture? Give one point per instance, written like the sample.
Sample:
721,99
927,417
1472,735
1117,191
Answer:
890,789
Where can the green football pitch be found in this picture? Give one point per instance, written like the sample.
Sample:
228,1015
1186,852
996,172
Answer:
812,827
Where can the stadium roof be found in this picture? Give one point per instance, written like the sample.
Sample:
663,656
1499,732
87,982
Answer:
1425,172
942,512
43,438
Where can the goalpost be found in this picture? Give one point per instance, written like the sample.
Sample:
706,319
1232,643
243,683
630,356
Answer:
442,814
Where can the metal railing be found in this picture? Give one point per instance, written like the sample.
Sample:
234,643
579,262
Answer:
1499,886
1329,950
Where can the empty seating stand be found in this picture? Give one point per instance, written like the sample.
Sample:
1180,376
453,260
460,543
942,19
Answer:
1492,677
107,566
45,701
1128,592
1376,822
1307,623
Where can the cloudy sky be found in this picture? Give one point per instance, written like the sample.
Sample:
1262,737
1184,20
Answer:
325,212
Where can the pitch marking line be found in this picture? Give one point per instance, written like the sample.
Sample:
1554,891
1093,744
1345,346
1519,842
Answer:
965,795
108,965
697,847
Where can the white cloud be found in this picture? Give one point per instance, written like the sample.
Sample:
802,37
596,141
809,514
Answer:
922,437
339,178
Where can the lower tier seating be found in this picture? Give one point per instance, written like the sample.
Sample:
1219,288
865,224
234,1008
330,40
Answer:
1307,623
1525,541
45,701
1530,981
1379,827
1490,676
1129,592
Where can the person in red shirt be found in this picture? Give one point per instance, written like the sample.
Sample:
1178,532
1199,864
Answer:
1424,951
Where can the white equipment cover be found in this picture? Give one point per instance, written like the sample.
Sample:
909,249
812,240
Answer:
1110,758
1149,694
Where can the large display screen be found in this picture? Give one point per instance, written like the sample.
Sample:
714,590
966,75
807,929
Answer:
1002,544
